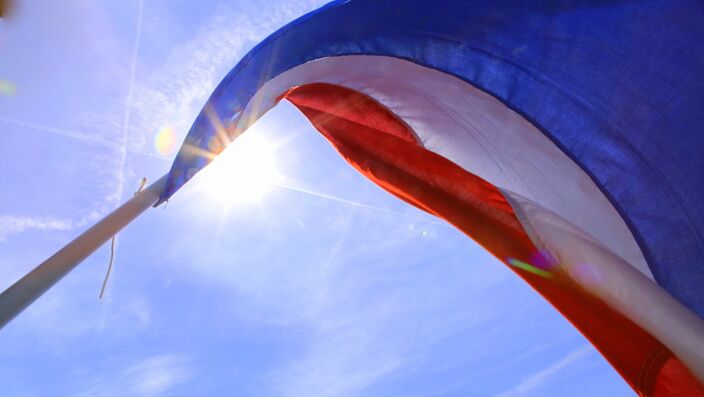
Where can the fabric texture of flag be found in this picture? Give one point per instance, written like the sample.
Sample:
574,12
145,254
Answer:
564,137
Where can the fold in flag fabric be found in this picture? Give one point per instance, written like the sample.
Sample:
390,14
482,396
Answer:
564,137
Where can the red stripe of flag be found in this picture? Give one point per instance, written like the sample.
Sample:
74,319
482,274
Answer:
383,148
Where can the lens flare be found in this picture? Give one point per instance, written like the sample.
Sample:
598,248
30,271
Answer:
165,141
529,268
7,88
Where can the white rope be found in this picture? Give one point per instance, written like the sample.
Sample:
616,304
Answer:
112,246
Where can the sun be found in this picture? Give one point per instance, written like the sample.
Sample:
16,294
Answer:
243,173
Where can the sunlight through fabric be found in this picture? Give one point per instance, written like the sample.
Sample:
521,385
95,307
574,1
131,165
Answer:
243,174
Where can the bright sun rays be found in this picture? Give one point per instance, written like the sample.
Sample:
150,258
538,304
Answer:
243,173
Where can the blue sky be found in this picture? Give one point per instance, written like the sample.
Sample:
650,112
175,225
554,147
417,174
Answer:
322,285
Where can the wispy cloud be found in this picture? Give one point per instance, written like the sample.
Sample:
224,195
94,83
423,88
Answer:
364,323
539,378
346,354
336,363
151,376
15,224
365,329
174,92
363,320
70,312
10,224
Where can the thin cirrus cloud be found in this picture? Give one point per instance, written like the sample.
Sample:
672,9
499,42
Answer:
150,376
368,314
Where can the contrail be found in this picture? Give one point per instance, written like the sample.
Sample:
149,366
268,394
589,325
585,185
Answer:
360,205
81,136
128,102
125,137
58,131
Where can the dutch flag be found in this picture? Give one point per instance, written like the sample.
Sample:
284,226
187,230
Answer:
566,137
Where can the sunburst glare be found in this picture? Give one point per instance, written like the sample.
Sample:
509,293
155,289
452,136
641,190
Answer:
242,173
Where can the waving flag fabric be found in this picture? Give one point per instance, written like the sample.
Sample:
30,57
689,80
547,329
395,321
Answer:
565,137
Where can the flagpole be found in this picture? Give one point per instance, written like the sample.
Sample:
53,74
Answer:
26,290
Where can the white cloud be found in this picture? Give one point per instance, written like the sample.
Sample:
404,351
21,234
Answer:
13,224
10,224
539,378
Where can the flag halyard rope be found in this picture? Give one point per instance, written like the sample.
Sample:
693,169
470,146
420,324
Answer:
112,247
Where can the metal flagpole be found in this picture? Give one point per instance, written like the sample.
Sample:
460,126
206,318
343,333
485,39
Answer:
30,287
